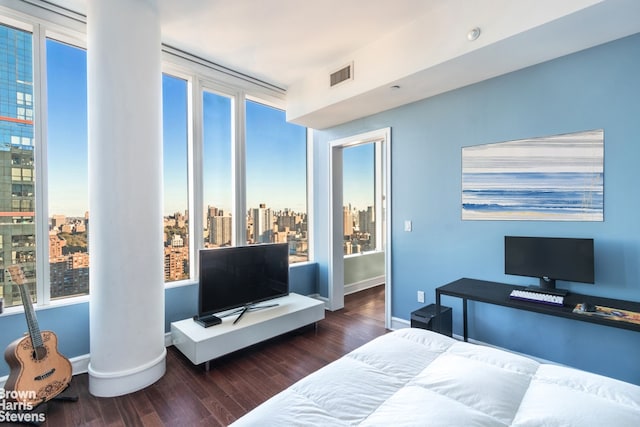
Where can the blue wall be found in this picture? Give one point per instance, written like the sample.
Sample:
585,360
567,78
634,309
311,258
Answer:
597,88
592,89
71,322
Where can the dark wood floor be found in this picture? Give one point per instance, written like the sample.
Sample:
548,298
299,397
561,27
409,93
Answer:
189,396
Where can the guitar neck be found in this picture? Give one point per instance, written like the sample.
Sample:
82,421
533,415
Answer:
30,314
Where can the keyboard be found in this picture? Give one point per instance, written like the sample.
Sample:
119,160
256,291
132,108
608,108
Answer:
533,296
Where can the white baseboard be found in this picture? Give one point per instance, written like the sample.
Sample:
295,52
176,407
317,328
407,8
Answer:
398,323
363,284
119,383
80,364
325,300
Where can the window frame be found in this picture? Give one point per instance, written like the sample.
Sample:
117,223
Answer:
178,74
200,79
308,177
211,86
43,25
378,183
70,28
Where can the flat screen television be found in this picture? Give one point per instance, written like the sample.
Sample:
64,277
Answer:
240,277
550,259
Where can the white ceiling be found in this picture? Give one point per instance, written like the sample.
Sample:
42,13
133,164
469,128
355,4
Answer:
420,45
281,41
277,41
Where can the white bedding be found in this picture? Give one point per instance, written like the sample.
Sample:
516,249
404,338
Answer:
414,377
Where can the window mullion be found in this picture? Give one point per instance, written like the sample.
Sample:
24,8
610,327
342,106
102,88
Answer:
195,170
310,204
239,192
379,195
40,157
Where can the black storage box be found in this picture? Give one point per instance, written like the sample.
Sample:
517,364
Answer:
427,318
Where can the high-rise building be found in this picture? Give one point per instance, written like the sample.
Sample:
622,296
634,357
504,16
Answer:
220,230
288,220
368,227
58,221
347,220
367,220
55,246
177,241
262,224
17,172
176,265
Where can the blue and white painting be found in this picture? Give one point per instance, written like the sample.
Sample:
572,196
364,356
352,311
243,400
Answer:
554,178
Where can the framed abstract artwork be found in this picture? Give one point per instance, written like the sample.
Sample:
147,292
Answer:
552,178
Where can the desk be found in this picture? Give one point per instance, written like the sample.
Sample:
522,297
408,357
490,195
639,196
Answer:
498,294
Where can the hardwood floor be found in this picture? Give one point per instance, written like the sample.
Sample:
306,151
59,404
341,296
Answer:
235,384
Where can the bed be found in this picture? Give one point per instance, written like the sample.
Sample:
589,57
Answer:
415,377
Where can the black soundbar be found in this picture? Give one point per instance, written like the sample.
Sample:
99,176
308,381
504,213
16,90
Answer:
207,321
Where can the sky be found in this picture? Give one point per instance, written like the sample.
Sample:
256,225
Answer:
275,150
67,129
358,163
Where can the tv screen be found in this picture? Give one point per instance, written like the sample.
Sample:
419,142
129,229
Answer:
232,277
550,259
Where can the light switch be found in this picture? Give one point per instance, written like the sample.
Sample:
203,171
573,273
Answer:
407,225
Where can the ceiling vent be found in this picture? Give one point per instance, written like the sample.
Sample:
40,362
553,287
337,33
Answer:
342,75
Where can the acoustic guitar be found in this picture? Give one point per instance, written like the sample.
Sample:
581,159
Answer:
38,372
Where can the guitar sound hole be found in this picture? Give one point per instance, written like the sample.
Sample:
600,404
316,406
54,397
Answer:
39,353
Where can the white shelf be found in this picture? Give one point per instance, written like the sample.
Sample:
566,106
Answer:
202,344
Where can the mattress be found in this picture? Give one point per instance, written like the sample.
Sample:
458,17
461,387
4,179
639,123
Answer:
415,377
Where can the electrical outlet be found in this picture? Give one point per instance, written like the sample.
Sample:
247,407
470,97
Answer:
420,296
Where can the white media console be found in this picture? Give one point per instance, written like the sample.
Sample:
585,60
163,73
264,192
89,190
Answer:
201,344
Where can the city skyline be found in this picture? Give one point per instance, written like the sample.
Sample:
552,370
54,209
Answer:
275,171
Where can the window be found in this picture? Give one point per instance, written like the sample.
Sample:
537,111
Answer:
276,180
64,189
216,169
176,187
359,221
44,208
67,169
17,201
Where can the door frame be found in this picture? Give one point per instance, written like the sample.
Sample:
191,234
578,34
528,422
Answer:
383,196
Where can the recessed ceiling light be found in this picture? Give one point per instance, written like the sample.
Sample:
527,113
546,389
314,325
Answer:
473,34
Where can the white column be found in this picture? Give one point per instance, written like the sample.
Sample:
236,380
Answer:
125,196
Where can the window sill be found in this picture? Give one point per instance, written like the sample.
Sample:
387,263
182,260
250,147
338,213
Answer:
301,264
10,311
363,254
180,283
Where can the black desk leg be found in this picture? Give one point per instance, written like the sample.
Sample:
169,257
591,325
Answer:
465,332
437,301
